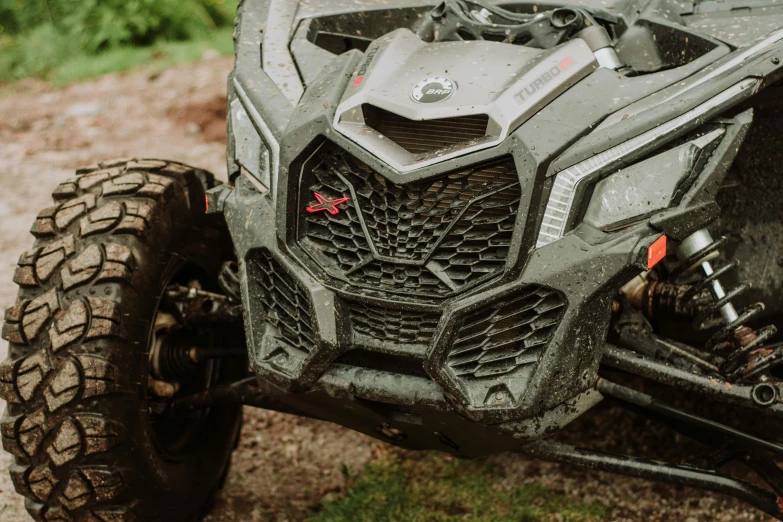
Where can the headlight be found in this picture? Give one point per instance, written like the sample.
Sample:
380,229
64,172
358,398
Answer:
650,185
571,183
250,151
256,148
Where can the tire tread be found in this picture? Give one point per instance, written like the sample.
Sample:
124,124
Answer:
60,372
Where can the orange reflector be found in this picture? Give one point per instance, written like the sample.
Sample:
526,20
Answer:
206,202
656,252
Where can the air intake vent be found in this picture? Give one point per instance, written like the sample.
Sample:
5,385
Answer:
420,137
399,326
510,335
286,303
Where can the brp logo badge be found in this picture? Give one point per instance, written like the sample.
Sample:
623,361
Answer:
432,90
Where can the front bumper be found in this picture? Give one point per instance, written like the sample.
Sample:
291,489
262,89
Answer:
303,320
301,327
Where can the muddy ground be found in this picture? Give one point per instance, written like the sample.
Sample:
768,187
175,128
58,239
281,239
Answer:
284,466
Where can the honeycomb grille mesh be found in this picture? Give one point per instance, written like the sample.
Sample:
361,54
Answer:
460,224
396,277
510,335
286,304
386,324
424,136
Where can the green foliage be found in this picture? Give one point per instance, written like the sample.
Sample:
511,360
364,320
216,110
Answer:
157,57
441,490
110,23
37,36
35,54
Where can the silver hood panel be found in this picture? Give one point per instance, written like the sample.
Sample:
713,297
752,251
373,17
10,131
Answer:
507,83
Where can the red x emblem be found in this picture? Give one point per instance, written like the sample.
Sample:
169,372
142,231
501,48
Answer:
329,205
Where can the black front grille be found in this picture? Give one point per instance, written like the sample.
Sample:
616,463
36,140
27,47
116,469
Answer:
424,136
509,335
286,304
386,324
459,225
396,277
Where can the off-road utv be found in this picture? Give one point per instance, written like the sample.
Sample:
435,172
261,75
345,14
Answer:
454,227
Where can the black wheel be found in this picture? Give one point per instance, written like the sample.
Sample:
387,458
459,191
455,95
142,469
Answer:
91,314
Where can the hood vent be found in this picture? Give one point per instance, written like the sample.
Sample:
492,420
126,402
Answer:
426,136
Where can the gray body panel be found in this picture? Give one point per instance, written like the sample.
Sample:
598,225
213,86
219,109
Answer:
492,78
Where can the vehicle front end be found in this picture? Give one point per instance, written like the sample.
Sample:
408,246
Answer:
437,212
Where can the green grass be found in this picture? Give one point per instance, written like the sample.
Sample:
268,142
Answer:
437,489
53,58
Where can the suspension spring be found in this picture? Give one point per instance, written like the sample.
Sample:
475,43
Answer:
746,357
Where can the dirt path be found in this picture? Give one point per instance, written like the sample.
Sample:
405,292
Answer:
284,465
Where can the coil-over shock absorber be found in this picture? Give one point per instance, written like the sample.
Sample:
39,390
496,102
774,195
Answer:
746,357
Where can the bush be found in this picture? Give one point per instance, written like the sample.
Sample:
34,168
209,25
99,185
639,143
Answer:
101,24
34,54
36,35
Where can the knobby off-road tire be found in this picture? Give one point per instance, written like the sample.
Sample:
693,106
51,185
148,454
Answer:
78,421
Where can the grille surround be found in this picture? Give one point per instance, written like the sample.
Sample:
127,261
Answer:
427,136
433,238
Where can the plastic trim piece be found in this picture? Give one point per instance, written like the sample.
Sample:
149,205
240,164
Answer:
276,57
537,78
731,61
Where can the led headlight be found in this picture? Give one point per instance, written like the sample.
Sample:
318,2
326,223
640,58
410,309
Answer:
570,183
256,148
250,151
650,185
